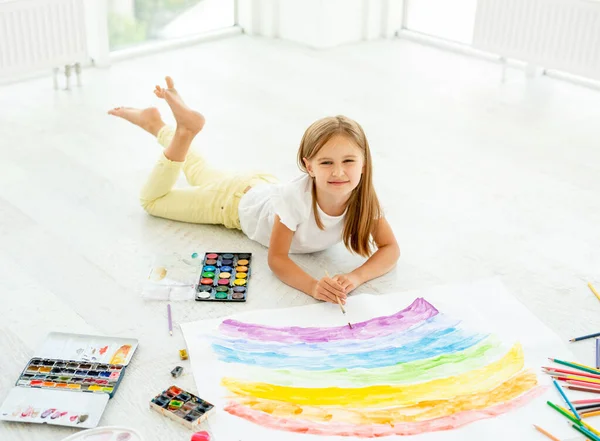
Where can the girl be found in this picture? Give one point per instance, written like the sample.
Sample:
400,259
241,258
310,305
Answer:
333,200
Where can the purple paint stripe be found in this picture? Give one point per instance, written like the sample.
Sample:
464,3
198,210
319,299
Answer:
418,311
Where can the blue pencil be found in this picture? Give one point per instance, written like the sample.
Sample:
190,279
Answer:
566,399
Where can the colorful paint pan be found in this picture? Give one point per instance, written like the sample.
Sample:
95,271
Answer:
222,274
189,410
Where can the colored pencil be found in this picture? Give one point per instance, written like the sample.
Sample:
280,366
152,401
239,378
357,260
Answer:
578,366
592,401
170,319
583,384
590,414
339,302
550,370
597,353
560,391
584,413
590,286
552,437
564,412
586,406
591,381
572,418
583,389
585,337
586,432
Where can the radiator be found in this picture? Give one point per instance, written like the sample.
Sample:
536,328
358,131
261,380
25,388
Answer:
40,34
554,34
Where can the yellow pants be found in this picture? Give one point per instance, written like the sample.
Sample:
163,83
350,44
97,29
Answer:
212,198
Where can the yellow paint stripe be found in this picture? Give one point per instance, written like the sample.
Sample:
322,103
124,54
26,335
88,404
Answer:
423,411
475,381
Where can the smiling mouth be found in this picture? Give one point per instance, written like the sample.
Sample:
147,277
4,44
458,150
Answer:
338,182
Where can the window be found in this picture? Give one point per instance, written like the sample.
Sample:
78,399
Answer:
133,22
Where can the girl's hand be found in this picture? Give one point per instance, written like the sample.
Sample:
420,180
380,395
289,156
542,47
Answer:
349,282
328,290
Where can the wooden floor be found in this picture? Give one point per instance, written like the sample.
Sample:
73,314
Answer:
478,179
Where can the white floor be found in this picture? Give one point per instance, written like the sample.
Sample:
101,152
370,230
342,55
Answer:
479,179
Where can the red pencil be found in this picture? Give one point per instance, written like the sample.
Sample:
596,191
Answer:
584,384
567,371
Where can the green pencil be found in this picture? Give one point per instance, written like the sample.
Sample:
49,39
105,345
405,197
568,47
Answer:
587,433
581,367
564,413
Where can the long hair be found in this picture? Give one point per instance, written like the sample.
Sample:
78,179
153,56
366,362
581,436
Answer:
363,209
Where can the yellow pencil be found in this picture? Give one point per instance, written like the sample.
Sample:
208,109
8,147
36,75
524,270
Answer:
590,414
552,437
594,290
339,302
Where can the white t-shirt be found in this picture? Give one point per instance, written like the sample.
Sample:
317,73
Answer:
292,202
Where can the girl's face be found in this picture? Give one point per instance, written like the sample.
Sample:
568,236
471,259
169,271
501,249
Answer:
337,167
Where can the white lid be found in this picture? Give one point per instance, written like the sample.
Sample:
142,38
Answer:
56,407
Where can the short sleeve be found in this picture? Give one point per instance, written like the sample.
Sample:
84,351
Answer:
293,203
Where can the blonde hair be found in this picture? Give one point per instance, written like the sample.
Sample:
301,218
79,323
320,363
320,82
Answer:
363,209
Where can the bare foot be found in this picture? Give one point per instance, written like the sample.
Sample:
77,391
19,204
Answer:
148,119
188,120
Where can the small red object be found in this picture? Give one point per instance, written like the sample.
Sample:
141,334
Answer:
201,436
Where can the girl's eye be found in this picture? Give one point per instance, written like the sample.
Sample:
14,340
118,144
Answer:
349,160
326,163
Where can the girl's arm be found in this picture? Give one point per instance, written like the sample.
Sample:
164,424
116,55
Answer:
382,261
291,274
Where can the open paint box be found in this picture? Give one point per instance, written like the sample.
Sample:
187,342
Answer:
69,380
224,277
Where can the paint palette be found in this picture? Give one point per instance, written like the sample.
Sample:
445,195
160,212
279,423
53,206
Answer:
70,363
224,277
182,406
71,375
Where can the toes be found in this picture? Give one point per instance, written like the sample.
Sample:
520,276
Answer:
170,82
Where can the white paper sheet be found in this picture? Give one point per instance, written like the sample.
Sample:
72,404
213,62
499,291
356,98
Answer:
481,307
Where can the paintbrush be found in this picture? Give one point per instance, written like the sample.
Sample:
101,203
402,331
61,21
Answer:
339,302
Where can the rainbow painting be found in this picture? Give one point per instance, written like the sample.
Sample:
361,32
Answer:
413,372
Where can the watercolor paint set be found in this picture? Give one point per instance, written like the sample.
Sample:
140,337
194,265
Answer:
224,277
46,390
182,406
